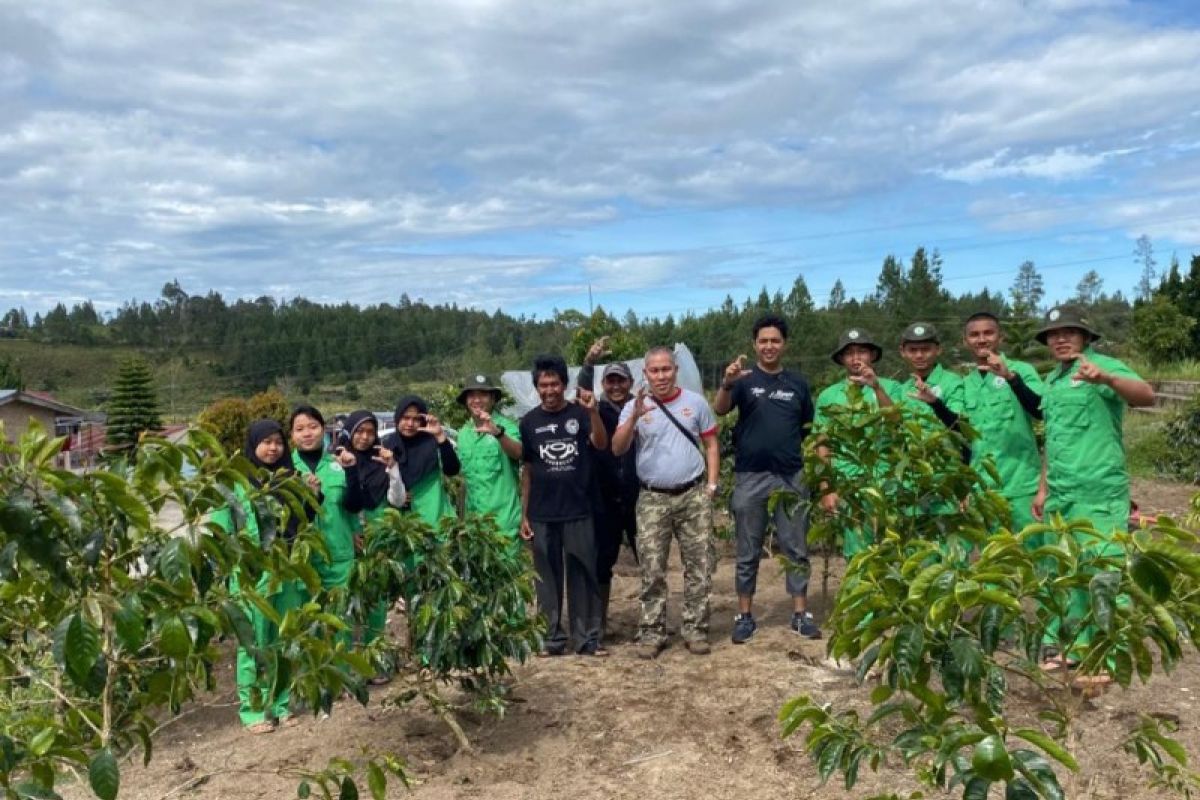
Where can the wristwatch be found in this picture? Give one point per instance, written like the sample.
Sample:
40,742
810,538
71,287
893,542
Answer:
499,434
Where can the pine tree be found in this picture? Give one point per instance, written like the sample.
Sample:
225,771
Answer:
133,408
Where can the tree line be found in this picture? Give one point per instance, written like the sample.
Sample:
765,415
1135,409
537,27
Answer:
253,344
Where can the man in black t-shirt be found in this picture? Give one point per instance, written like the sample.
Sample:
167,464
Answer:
775,412
556,505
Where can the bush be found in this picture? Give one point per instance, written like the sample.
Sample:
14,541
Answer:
227,419
270,404
949,607
1181,459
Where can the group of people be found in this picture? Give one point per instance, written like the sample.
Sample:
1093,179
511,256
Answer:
576,479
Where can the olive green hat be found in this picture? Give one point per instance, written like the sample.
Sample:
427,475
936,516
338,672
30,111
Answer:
919,332
1066,317
477,383
855,336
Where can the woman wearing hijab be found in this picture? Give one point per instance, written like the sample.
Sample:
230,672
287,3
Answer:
425,454
267,449
380,487
341,498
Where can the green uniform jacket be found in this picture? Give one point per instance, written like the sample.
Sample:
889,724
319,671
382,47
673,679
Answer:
945,384
1085,452
838,394
430,501
1005,430
492,477
337,525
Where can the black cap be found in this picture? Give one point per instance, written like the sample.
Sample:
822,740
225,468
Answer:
919,332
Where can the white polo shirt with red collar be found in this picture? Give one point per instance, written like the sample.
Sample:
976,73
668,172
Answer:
665,457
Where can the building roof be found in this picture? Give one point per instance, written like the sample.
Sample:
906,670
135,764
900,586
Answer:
45,401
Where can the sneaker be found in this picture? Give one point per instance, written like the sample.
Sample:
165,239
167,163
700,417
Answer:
698,647
649,650
805,625
744,627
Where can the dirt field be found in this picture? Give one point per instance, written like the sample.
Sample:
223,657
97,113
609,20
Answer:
683,726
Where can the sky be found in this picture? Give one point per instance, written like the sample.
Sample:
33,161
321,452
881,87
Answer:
515,155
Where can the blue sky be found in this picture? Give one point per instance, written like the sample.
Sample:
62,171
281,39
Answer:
511,155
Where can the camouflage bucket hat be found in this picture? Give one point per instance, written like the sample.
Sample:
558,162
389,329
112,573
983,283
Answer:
1066,317
855,336
477,383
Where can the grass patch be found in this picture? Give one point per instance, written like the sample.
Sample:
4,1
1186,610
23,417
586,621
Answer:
1145,444
1185,369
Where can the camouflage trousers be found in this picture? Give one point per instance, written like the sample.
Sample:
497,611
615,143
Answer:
688,518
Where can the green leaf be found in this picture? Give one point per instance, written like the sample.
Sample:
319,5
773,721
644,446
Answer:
130,627
173,638
991,623
1020,789
104,775
349,789
41,743
80,648
1103,591
866,662
175,562
32,790
908,649
991,760
1150,576
377,781
1049,746
968,658
303,791
976,789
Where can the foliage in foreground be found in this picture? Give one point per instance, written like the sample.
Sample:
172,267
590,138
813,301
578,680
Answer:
949,610
111,619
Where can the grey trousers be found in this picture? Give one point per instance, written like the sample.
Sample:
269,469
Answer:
566,552
751,490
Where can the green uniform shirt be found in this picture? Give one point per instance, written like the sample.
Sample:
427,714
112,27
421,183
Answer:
491,476
1085,453
943,383
430,501
840,394
1005,430
337,525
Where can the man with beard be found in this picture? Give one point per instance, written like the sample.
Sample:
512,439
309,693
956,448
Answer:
616,476
556,502
775,410
857,353
676,434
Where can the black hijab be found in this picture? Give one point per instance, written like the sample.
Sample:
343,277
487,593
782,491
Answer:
416,455
259,430
372,475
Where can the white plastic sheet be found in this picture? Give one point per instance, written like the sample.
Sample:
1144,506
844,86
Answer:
519,383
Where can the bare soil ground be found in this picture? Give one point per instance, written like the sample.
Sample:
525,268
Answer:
682,726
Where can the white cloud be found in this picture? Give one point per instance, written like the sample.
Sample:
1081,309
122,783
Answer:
224,138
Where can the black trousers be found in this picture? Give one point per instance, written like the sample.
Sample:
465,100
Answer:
566,551
616,521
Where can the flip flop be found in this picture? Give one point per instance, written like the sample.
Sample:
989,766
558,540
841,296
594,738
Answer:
259,728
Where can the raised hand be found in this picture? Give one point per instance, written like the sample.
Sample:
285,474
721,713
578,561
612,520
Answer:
585,399
344,457
997,365
434,426
924,391
483,422
1089,372
384,456
866,377
639,402
597,351
736,370
313,482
